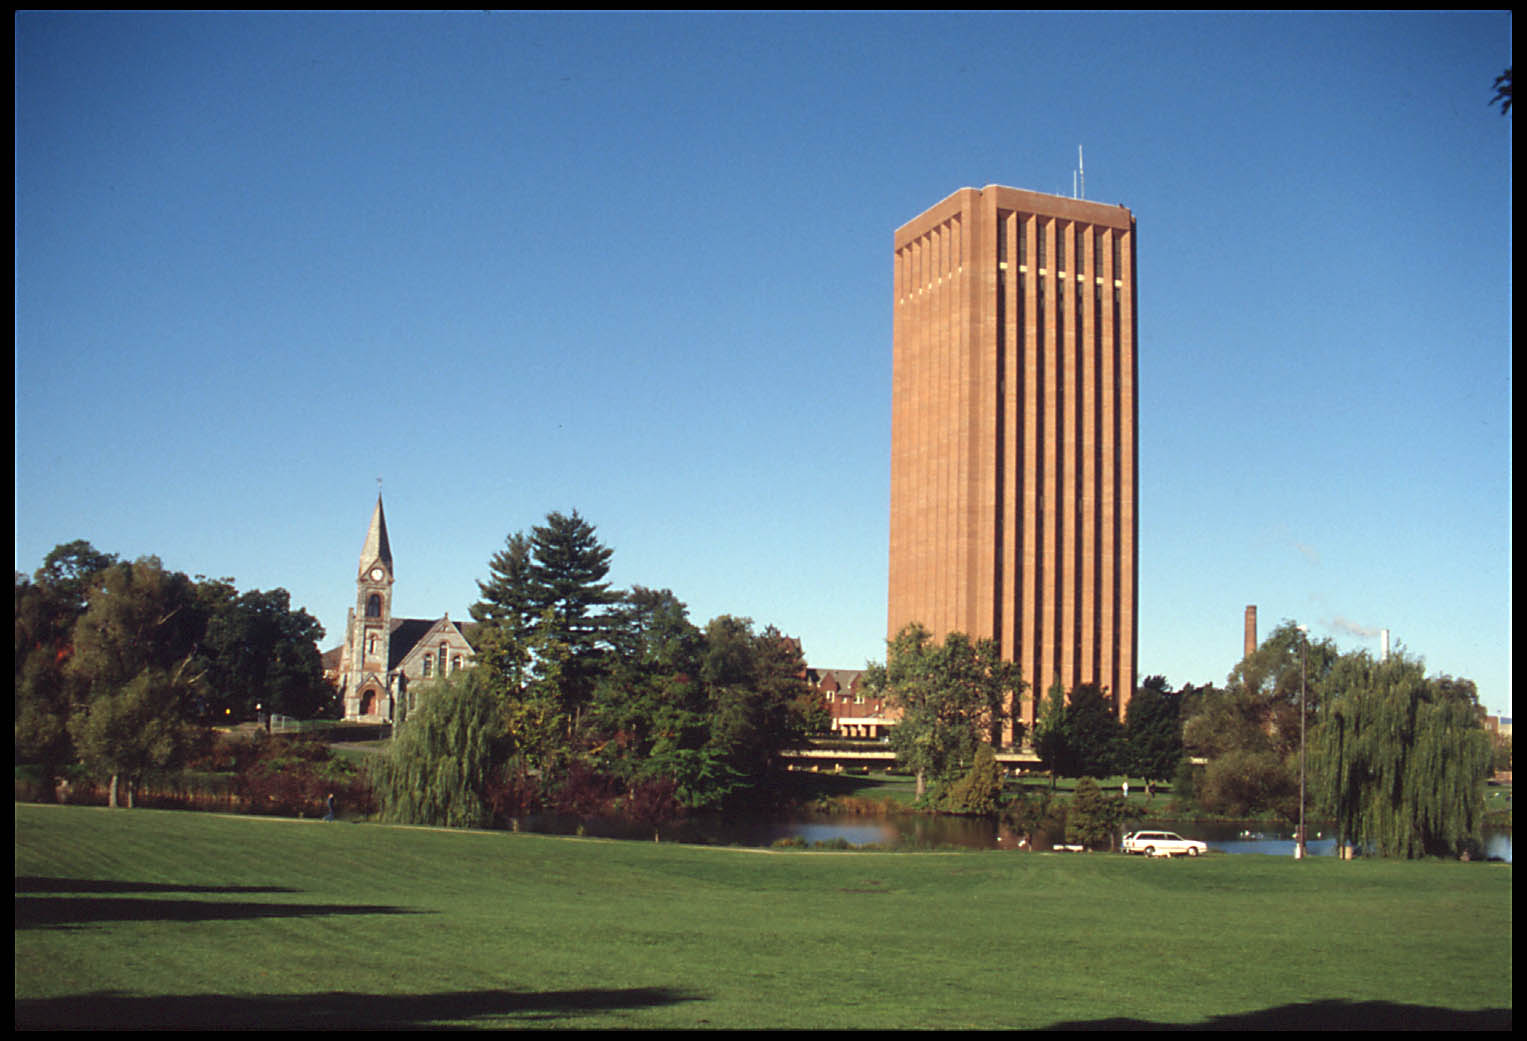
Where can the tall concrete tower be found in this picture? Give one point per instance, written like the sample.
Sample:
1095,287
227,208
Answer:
1251,631
1013,451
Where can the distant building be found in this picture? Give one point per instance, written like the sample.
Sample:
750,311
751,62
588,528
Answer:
854,713
384,658
1013,448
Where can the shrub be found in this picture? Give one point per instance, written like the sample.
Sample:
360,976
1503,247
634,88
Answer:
653,802
585,791
1093,817
1244,783
513,793
980,790
296,776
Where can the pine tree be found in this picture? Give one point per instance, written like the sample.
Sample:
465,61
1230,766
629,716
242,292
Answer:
550,586
567,580
980,790
506,613
1092,818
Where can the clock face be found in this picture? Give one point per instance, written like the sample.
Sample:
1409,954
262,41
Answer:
376,574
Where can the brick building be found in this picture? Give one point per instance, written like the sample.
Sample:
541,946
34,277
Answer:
1013,451
854,713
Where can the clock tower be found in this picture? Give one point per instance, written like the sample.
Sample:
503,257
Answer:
369,693
387,663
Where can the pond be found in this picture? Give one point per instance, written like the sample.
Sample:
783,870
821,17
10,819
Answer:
925,831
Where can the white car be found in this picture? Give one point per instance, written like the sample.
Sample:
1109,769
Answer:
1163,844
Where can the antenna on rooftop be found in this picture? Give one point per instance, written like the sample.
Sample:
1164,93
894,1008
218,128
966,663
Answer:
1081,171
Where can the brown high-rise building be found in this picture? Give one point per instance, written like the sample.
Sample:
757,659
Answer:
1013,454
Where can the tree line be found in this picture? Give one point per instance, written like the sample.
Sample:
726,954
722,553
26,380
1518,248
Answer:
1395,758
587,698
957,696
122,665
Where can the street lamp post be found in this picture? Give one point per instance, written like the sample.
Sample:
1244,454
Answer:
1299,850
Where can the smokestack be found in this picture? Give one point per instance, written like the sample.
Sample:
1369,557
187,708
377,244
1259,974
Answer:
1383,645
1251,630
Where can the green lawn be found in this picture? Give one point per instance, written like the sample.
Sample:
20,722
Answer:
145,918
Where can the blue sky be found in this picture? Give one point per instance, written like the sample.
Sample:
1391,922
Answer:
639,266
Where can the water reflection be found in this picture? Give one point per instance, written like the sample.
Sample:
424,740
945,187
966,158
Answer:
918,831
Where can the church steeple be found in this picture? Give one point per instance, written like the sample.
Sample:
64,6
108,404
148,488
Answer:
377,550
370,626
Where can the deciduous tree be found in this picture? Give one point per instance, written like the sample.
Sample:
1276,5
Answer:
259,651
951,698
133,670
1401,759
439,767
1052,737
1094,733
754,683
1153,731
46,609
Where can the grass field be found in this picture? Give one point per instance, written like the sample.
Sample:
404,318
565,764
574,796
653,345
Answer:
145,918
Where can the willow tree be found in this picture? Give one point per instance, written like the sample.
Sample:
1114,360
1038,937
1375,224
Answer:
1400,760
440,764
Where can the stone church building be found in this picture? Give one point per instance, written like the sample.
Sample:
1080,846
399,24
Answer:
384,659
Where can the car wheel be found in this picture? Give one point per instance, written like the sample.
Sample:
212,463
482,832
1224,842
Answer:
1150,851
1192,851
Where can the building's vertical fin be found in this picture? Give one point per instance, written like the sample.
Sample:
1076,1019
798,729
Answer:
1033,435
1066,510
1108,477
1050,457
1129,469
1087,353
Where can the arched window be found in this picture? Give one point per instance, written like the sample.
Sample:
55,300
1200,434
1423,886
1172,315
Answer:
374,606
429,663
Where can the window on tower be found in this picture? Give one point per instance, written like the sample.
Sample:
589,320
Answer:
374,606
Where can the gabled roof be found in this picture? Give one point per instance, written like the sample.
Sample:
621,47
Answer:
406,634
834,679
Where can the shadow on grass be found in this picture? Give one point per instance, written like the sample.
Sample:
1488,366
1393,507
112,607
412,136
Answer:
67,912
331,1011
1324,1015
38,884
